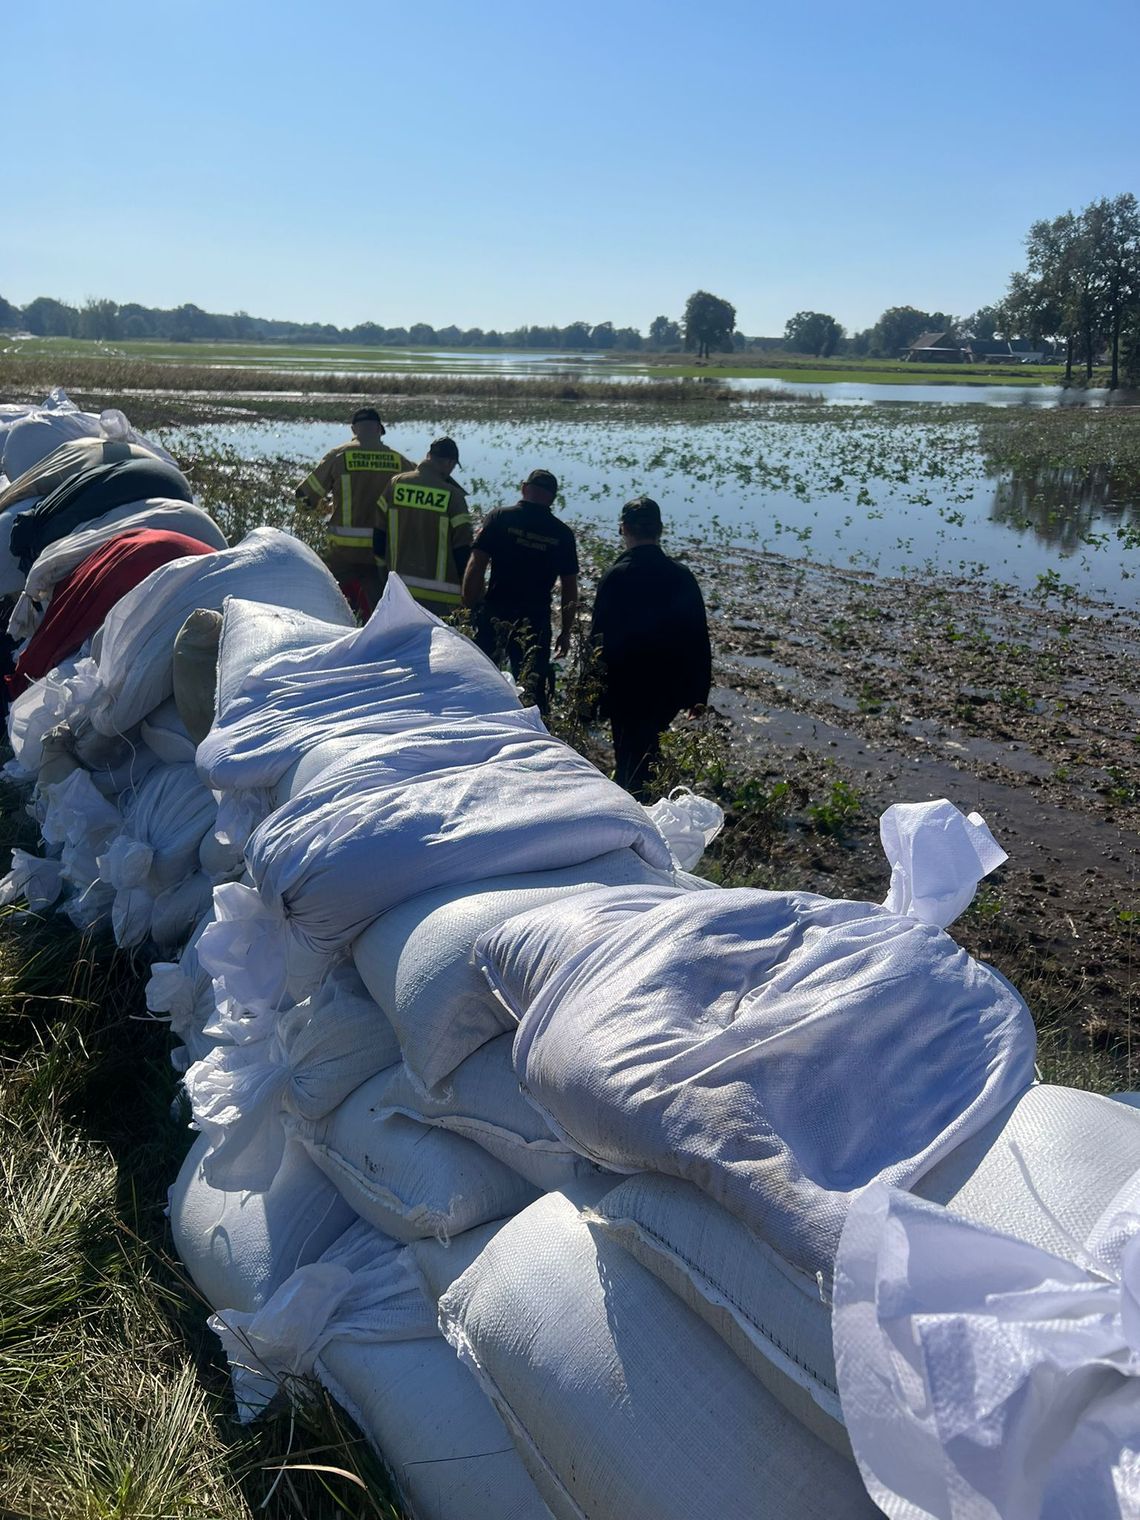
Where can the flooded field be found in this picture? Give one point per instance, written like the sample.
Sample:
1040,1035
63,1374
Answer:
1028,499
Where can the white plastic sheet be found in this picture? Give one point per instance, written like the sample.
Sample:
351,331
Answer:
982,1377
937,857
688,824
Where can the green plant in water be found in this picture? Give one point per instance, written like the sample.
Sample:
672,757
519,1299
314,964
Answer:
837,810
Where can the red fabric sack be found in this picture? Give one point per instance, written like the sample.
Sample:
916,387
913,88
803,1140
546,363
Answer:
84,598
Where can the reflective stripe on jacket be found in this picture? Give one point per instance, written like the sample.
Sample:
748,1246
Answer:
354,478
427,519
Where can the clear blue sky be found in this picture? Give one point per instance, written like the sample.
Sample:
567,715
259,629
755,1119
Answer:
493,162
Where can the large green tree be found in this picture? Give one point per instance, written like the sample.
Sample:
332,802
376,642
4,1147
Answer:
1112,229
812,332
709,324
664,333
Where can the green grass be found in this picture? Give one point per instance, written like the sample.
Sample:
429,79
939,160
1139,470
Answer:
877,372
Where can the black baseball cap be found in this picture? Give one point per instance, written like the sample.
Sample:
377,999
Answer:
367,414
544,480
445,448
643,516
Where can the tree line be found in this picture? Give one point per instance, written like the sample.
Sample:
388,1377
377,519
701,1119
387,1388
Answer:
1079,290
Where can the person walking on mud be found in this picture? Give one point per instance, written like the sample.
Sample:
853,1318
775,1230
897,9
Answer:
354,476
651,634
427,536
526,549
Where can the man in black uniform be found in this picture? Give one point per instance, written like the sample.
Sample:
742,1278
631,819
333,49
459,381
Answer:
527,549
651,632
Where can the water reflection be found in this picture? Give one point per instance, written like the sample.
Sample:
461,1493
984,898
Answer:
1068,508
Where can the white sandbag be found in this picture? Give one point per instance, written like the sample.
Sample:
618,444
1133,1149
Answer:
456,802
116,763
114,424
164,732
440,1262
621,1402
520,956
240,1247
255,630
182,994
688,824
220,862
983,1376
481,1101
33,437
164,821
402,670
62,695
318,1053
31,879
438,1435
136,650
79,822
780,1050
406,1178
416,960
364,1289
178,908
64,554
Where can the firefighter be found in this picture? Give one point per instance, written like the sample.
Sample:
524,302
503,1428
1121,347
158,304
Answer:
354,476
426,538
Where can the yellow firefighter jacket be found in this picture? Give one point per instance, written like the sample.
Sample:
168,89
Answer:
427,519
355,479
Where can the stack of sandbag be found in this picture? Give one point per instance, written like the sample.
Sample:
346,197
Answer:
120,560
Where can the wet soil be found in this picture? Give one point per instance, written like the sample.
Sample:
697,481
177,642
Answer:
1025,711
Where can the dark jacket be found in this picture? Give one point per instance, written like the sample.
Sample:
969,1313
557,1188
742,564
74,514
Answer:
650,627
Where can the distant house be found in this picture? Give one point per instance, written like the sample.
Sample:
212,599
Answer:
936,348
1010,350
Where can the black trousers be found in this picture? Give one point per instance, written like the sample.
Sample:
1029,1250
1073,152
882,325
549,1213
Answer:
523,641
637,746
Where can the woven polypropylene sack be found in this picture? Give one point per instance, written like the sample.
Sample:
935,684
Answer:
416,960
622,1403
406,1178
240,1246
137,650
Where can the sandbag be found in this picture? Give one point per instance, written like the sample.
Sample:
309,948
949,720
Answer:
163,824
136,655
439,1436
279,697
177,909
364,1289
182,993
780,1050
239,1247
620,1401
32,438
481,1101
408,812
62,695
164,733
408,1179
416,960
254,631
317,1054
62,556
89,495
195,671
89,592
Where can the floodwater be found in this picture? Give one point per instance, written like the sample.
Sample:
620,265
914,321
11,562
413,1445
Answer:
871,492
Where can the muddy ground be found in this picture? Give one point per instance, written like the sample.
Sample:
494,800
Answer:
841,693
